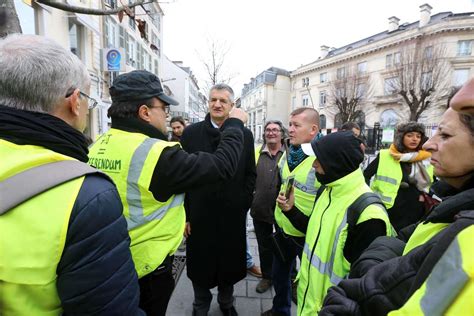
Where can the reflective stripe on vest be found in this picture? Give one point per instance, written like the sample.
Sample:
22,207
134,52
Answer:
387,179
305,188
327,268
37,229
155,228
449,288
323,263
133,191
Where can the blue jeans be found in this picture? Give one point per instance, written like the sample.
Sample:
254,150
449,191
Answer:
281,278
249,257
250,262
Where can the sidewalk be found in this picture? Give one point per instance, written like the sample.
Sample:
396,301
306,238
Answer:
248,301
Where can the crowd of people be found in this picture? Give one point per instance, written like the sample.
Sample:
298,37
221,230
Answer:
92,230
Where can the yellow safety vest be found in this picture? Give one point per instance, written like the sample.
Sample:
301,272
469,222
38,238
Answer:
449,289
305,188
389,176
323,263
33,236
257,153
422,233
155,228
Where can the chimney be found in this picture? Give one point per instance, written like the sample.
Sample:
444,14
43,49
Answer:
393,23
324,51
425,14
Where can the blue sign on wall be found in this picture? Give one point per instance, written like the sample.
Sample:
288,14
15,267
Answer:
113,59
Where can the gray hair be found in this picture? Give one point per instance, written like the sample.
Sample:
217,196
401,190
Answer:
36,73
223,86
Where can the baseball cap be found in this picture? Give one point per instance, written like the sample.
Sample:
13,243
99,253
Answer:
138,85
308,148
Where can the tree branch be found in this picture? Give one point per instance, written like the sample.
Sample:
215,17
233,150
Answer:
90,11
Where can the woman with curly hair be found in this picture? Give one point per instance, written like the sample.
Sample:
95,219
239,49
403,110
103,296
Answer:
402,175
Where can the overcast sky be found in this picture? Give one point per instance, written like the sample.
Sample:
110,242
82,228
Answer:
285,34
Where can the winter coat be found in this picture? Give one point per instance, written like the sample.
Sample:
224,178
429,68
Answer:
112,284
216,248
387,286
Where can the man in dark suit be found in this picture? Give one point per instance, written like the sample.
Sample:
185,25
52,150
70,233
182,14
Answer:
216,215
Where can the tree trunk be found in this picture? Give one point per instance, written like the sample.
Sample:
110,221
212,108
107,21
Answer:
9,22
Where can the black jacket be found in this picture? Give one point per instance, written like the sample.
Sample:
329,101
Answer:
96,274
216,249
178,171
388,285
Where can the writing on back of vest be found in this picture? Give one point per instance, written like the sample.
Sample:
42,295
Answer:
106,164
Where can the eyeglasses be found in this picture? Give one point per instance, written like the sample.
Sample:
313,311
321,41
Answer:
272,130
91,101
165,108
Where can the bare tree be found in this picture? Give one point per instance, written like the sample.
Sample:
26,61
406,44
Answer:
10,24
214,63
420,75
349,89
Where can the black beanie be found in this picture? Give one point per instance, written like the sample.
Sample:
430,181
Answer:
339,154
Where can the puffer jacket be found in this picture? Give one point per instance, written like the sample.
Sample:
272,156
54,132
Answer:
112,283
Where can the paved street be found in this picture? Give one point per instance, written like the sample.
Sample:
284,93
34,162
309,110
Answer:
248,301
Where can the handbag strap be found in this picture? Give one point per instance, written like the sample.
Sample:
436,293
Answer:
29,183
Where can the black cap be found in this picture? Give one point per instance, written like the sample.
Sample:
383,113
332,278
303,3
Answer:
138,85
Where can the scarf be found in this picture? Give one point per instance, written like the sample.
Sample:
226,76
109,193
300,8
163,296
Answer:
40,129
295,156
408,157
418,175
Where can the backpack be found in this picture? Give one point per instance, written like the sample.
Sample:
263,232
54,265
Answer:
357,207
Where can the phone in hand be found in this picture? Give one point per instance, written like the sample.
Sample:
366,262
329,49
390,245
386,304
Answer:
289,184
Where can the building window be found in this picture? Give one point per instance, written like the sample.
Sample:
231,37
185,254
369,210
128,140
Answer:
111,33
121,36
361,90
132,52
156,67
322,121
323,77
390,85
293,103
340,73
388,61
75,39
392,60
396,59
322,98
111,3
428,52
388,118
305,82
426,80
305,100
362,67
464,48
139,56
460,77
